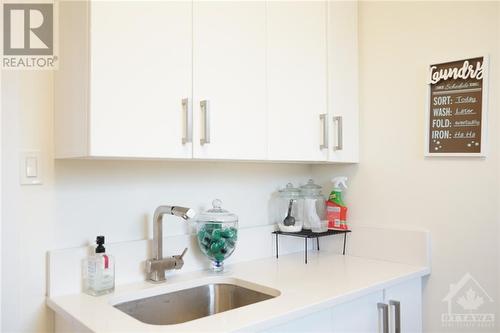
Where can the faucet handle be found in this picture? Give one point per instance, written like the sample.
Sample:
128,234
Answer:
183,253
179,262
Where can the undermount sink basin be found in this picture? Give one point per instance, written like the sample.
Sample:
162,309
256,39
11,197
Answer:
188,304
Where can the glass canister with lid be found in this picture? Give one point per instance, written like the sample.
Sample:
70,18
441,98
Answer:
288,211
314,207
217,234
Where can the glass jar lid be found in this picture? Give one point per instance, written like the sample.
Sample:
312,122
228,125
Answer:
311,189
217,214
290,192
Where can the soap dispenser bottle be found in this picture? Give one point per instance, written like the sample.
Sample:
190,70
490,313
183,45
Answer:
99,271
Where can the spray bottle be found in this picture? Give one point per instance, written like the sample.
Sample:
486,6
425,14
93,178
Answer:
336,210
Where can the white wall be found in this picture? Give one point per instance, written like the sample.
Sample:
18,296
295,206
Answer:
498,199
393,184
80,199
97,196
1,198
28,223
455,198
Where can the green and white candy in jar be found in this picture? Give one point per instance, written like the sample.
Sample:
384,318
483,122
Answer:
217,233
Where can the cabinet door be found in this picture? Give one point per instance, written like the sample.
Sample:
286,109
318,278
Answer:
317,322
360,315
297,80
409,296
343,80
229,74
140,65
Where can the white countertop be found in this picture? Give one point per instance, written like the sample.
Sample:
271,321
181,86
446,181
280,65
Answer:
327,280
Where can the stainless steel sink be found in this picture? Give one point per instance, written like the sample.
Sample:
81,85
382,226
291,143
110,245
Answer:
189,304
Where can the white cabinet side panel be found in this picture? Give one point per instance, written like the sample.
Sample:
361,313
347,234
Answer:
71,81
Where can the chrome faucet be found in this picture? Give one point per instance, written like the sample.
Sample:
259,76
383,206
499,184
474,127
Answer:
156,267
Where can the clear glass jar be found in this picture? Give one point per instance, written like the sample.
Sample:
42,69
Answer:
217,234
314,207
288,211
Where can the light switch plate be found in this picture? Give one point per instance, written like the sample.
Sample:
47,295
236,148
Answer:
30,168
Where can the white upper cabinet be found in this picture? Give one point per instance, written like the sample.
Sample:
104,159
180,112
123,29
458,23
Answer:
343,80
229,40
297,80
132,72
233,80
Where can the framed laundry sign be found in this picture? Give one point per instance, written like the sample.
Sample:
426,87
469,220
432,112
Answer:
457,108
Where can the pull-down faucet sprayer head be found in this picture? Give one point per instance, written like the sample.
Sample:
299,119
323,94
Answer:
183,212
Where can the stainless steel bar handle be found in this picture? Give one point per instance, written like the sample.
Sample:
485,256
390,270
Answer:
188,121
384,325
205,110
324,123
397,315
340,135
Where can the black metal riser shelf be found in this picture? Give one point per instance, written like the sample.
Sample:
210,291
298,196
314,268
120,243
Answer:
308,234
